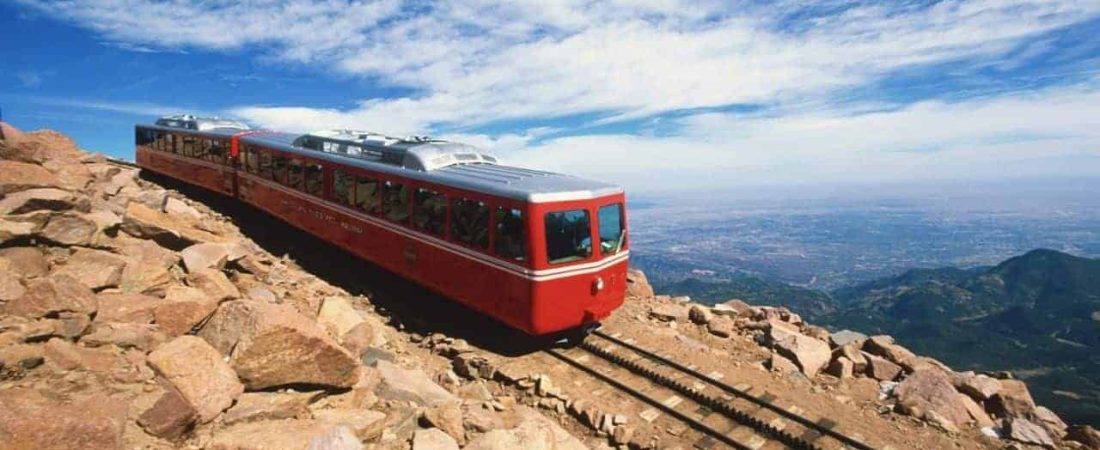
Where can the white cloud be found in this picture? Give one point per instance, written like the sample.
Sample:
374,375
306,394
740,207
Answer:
473,62
477,61
1054,131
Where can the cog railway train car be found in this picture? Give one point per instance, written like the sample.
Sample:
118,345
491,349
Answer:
541,252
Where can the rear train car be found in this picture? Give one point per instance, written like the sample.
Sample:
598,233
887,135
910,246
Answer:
540,251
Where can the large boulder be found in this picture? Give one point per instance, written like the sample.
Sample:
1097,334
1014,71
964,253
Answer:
433,439
142,336
1023,430
304,434
96,269
338,316
198,372
881,369
852,353
17,230
69,229
534,432
1012,400
845,337
169,231
811,355
980,387
26,262
182,309
54,294
126,307
20,176
274,345
885,347
410,385
46,421
366,424
214,284
669,312
637,286
11,287
170,417
255,406
48,199
206,255
929,394
733,308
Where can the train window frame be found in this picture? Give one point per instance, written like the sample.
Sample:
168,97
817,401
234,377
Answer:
499,236
619,243
568,258
348,197
375,206
457,235
439,227
296,165
399,211
314,179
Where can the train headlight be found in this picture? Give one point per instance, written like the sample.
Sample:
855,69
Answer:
598,284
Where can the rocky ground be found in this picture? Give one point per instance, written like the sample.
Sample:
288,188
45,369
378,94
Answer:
132,316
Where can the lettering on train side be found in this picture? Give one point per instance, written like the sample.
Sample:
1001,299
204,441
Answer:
321,215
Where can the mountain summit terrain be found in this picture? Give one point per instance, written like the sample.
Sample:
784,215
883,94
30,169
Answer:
138,315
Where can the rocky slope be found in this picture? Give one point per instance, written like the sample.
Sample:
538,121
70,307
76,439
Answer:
909,384
134,317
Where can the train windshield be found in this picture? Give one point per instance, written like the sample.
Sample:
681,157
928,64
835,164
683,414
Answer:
612,233
568,236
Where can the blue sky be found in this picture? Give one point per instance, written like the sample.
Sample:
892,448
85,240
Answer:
694,94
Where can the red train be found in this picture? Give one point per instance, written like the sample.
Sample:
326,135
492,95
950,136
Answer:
541,252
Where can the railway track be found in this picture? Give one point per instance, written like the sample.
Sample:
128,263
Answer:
745,421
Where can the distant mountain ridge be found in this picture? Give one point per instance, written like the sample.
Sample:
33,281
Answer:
1036,314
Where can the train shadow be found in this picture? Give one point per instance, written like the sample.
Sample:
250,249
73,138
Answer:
408,305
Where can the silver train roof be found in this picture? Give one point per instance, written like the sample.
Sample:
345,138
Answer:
449,163
456,165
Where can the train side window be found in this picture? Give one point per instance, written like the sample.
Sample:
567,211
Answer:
216,151
354,150
511,235
278,168
367,195
295,178
395,202
315,179
612,233
343,187
189,146
470,222
251,160
430,211
266,165
568,236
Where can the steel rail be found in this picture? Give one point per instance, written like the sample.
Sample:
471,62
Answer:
693,423
769,430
